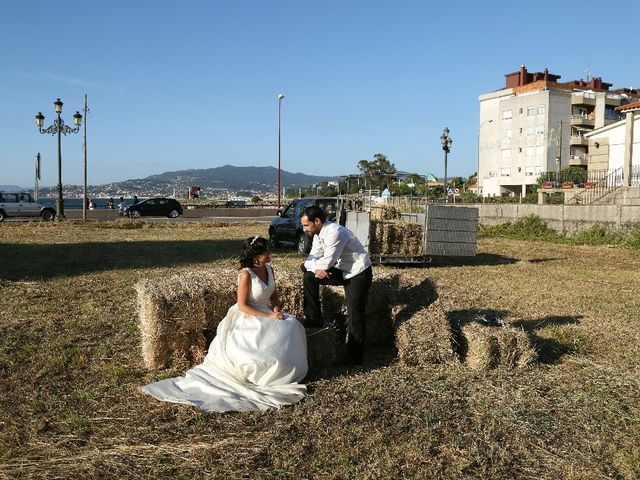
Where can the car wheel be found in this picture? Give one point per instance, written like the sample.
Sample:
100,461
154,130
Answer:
273,239
47,215
304,243
2,216
134,214
173,214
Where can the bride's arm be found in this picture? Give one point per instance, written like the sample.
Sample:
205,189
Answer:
276,304
244,287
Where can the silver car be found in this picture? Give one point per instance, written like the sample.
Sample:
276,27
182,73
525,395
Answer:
22,204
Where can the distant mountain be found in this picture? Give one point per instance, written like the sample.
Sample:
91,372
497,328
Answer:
11,188
227,177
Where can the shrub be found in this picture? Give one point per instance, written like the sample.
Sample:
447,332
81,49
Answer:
530,227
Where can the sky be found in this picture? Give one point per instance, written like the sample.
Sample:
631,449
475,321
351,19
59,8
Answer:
174,85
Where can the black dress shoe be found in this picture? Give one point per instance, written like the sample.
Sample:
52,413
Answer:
311,323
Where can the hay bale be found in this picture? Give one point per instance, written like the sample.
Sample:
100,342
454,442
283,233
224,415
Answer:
385,213
489,347
425,336
176,311
396,237
179,314
324,348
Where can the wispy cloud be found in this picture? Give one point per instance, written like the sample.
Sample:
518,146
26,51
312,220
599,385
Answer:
79,82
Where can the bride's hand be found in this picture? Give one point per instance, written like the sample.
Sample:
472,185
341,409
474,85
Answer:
277,314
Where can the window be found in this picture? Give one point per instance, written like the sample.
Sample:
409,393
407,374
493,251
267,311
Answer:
539,150
528,171
505,172
541,109
505,153
539,129
520,111
507,115
531,131
529,151
531,111
506,134
538,170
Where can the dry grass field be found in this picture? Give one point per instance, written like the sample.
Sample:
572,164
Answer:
70,366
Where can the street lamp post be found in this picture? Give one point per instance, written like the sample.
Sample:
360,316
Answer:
280,97
478,170
446,142
59,128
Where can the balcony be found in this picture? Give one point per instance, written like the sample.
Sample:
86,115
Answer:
578,160
581,98
584,120
578,140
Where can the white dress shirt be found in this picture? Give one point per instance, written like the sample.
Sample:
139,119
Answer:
336,246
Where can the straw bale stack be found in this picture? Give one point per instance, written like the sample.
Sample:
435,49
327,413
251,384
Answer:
396,237
385,213
176,312
425,336
491,347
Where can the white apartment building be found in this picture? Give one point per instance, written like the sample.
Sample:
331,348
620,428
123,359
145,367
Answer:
537,124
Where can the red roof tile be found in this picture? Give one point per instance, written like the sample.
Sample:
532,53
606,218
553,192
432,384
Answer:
629,106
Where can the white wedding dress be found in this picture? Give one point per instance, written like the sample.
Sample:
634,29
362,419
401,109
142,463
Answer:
253,363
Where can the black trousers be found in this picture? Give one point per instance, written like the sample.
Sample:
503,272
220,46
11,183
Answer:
356,291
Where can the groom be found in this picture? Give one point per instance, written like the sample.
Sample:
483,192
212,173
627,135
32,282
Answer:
337,258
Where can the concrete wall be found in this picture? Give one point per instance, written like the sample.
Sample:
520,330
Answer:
562,218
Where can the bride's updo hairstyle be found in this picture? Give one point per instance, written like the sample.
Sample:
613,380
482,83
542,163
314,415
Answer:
251,247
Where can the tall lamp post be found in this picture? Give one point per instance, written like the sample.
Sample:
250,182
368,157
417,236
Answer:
60,129
446,142
280,97
478,170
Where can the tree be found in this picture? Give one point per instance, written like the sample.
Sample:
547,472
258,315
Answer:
378,170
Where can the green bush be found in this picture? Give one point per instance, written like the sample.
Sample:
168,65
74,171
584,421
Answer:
530,227
533,228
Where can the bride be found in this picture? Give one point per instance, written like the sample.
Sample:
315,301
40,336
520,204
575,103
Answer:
259,353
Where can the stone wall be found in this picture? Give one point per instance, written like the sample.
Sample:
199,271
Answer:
562,218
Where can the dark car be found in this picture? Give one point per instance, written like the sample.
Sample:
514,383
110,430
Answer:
155,207
286,227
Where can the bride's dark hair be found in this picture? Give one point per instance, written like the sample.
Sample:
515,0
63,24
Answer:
251,247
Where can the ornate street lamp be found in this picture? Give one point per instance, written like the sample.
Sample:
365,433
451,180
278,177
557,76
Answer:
280,97
60,129
446,142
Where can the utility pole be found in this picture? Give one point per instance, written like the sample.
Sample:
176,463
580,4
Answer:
35,190
84,161
559,154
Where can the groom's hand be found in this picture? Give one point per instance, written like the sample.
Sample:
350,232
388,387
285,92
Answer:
322,274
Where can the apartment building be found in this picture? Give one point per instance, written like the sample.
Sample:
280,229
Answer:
536,123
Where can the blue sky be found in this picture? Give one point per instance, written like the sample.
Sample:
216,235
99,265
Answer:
174,85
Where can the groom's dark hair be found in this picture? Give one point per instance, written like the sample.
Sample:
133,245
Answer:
312,212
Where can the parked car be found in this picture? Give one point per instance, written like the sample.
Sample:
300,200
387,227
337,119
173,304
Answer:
286,227
22,204
155,207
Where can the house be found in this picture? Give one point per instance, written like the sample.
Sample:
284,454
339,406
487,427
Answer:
617,146
536,123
